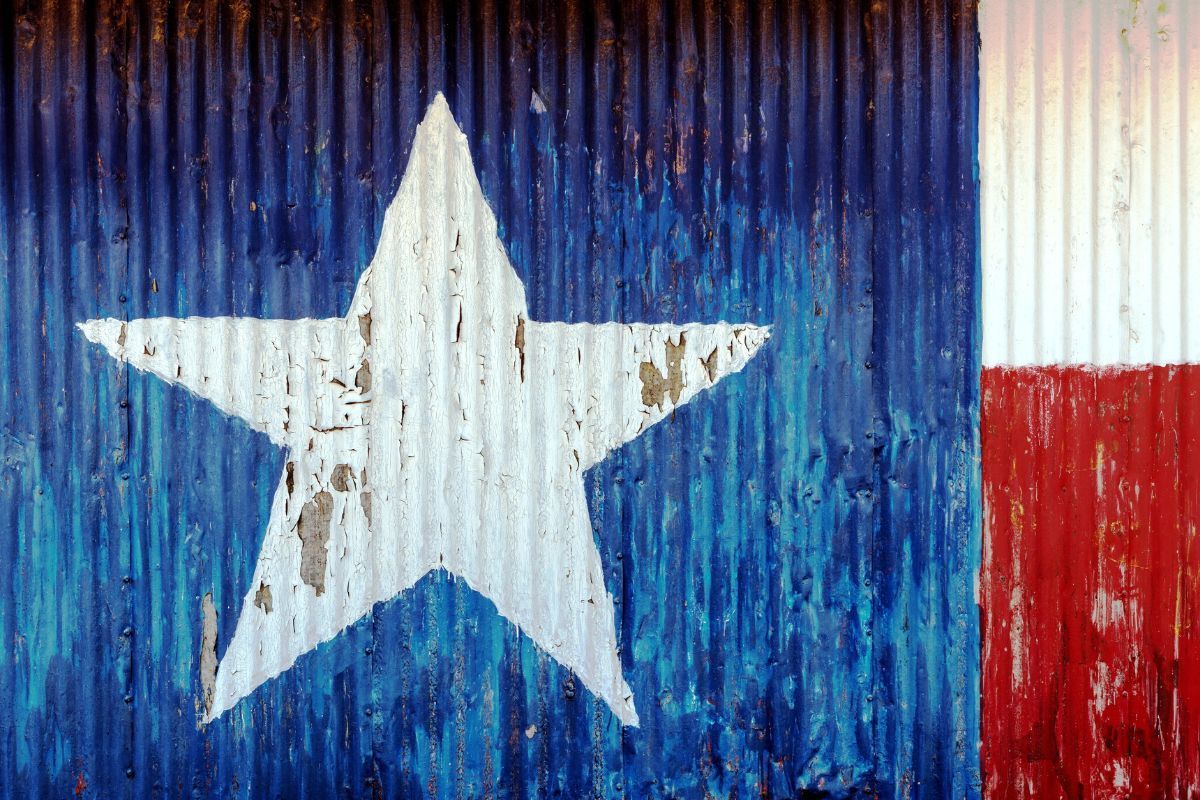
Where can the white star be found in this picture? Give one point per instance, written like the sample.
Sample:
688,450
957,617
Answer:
434,426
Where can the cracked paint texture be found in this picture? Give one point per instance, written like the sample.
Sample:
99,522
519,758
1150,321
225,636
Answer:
482,478
790,555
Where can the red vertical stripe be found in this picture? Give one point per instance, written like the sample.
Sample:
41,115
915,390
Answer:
1091,663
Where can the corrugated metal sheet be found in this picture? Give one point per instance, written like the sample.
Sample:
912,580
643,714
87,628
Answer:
792,555
1090,173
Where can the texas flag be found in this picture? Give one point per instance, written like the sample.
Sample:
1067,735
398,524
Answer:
628,398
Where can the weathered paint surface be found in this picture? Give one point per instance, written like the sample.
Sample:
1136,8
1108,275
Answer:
475,439
1090,181
791,555
1091,582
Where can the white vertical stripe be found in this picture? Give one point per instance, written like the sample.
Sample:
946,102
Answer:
1189,211
1090,172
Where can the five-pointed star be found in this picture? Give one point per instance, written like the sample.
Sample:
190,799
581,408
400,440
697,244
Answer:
434,426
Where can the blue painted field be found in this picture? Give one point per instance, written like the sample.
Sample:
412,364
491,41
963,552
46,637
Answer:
793,554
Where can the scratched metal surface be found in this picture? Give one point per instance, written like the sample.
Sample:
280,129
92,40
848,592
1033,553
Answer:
793,554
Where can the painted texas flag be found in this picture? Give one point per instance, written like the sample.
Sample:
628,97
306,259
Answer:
629,398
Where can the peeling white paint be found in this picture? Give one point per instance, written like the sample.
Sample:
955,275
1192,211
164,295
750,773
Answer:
208,651
435,426
536,104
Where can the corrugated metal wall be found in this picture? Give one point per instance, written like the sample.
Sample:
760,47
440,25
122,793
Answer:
1090,172
793,555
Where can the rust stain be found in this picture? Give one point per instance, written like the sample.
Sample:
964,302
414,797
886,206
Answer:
208,650
655,385
262,598
519,343
340,479
710,365
313,530
364,497
364,327
362,378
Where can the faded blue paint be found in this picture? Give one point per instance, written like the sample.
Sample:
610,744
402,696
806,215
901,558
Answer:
793,554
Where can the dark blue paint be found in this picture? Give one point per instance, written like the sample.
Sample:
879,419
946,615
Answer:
793,554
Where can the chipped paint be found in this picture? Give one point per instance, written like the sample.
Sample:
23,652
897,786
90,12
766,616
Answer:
439,289
519,343
790,555
208,651
656,386
262,599
313,530
339,479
